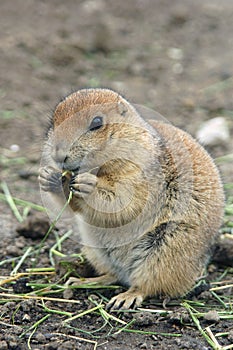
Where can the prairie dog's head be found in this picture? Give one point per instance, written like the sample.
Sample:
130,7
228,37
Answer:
94,126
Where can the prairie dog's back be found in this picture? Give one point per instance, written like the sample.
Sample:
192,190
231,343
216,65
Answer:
206,192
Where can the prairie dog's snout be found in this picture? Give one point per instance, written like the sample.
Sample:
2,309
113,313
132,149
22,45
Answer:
59,152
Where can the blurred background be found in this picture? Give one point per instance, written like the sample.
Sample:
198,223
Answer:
172,56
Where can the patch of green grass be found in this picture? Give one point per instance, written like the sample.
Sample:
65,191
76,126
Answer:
36,63
94,82
8,114
14,203
218,86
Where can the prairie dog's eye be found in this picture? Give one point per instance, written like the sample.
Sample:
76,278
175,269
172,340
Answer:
96,123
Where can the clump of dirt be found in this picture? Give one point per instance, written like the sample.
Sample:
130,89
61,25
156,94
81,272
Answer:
35,226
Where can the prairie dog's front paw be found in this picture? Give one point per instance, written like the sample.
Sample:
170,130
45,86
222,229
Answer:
82,185
50,179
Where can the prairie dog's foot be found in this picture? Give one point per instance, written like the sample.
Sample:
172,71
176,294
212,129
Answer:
50,179
127,300
83,184
104,279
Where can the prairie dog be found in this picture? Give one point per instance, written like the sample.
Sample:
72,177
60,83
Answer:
147,197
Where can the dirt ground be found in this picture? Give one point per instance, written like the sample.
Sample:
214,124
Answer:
172,56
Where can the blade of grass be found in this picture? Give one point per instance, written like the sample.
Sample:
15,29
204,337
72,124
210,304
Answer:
160,312
221,287
198,325
138,331
23,258
212,337
35,325
26,211
36,297
10,260
219,279
78,338
230,236
30,337
14,313
41,270
222,334
218,86
11,202
54,223
125,327
228,158
53,311
60,240
227,347
23,203
105,314
219,299
10,325
82,314
9,279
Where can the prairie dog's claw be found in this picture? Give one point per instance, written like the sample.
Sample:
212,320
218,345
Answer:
50,179
83,184
126,300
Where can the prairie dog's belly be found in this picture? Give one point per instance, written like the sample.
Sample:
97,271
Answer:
116,261
104,254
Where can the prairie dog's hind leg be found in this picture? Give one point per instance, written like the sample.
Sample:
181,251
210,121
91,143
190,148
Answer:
106,279
129,299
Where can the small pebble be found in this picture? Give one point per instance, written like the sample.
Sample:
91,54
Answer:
68,345
68,293
188,103
3,345
26,318
14,148
10,305
52,345
175,53
230,335
179,15
212,316
13,250
144,319
40,337
13,344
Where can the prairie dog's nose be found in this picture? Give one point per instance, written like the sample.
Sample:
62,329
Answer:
59,152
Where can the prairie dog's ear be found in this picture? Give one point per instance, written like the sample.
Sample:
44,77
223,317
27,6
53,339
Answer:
122,108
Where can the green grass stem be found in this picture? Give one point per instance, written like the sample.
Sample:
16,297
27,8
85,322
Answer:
11,202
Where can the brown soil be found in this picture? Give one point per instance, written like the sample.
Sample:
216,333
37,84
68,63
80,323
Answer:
172,56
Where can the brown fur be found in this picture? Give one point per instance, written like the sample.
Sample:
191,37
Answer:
150,214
